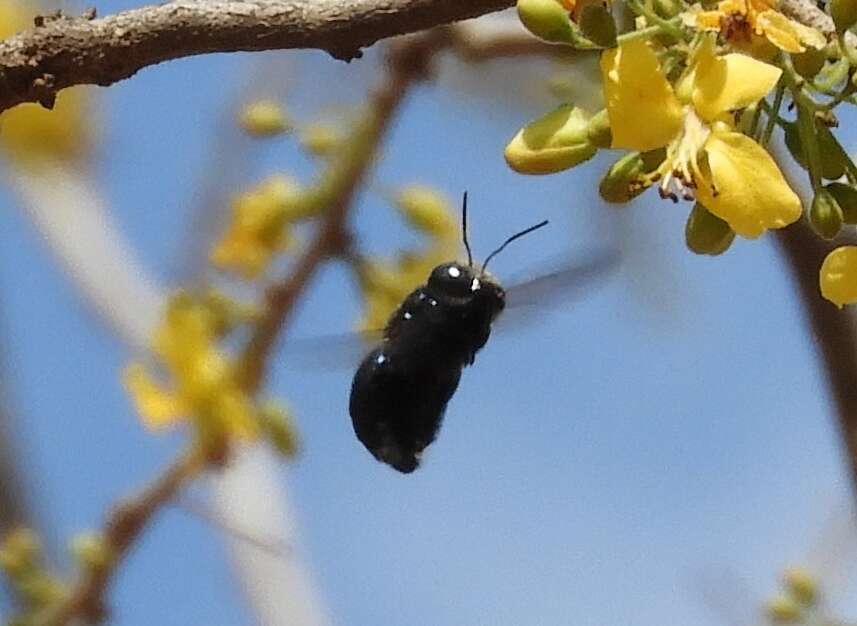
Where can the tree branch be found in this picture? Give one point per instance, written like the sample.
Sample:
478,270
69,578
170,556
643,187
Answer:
62,51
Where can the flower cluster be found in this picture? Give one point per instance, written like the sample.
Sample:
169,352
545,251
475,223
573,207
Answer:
693,94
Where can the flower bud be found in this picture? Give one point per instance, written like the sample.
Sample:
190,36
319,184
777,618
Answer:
264,118
837,277
618,184
705,233
546,19
809,63
320,139
91,551
846,197
598,130
801,585
825,215
668,8
425,209
844,14
552,143
783,610
597,25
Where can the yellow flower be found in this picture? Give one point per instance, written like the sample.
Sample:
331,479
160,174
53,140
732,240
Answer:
742,21
838,276
727,172
203,384
259,227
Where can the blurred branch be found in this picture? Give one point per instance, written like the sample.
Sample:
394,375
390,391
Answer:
835,330
408,62
62,51
125,523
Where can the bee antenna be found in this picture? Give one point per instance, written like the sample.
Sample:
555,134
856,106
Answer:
464,230
526,231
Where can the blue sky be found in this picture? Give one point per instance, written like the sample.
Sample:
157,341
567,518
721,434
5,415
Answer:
593,466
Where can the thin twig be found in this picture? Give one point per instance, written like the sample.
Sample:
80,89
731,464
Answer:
408,63
63,51
124,525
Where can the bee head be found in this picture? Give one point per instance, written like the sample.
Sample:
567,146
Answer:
453,279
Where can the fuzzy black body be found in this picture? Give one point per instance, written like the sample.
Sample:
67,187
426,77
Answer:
401,389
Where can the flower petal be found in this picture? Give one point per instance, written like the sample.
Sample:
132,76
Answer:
778,29
838,276
733,81
746,188
644,112
157,407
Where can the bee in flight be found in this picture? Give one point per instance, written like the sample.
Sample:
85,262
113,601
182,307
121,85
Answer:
400,391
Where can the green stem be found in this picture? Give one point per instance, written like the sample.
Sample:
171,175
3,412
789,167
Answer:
805,122
773,113
836,75
669,27
643,33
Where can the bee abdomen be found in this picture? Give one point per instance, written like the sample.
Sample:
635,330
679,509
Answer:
397,407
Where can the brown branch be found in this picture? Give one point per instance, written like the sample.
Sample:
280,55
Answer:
835,330
63,51
408,62
125,523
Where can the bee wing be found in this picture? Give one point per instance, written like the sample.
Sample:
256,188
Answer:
569,280
330,352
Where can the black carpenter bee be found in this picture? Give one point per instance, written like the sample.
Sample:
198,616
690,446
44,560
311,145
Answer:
400,391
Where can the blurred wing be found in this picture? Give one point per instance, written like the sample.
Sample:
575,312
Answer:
570,280
346,350
330,352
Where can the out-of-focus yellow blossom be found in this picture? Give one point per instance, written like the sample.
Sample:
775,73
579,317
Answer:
742,21
202,377
838,276
426,210
259,227
728,173
264,118
31,133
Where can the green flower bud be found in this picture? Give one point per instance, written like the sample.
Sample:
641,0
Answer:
705,233
783,610
598,130
668,8
552,143
846,197
621,182
279,429
809,63
825,215
91,551
546,19
597,25
844,14
801,585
